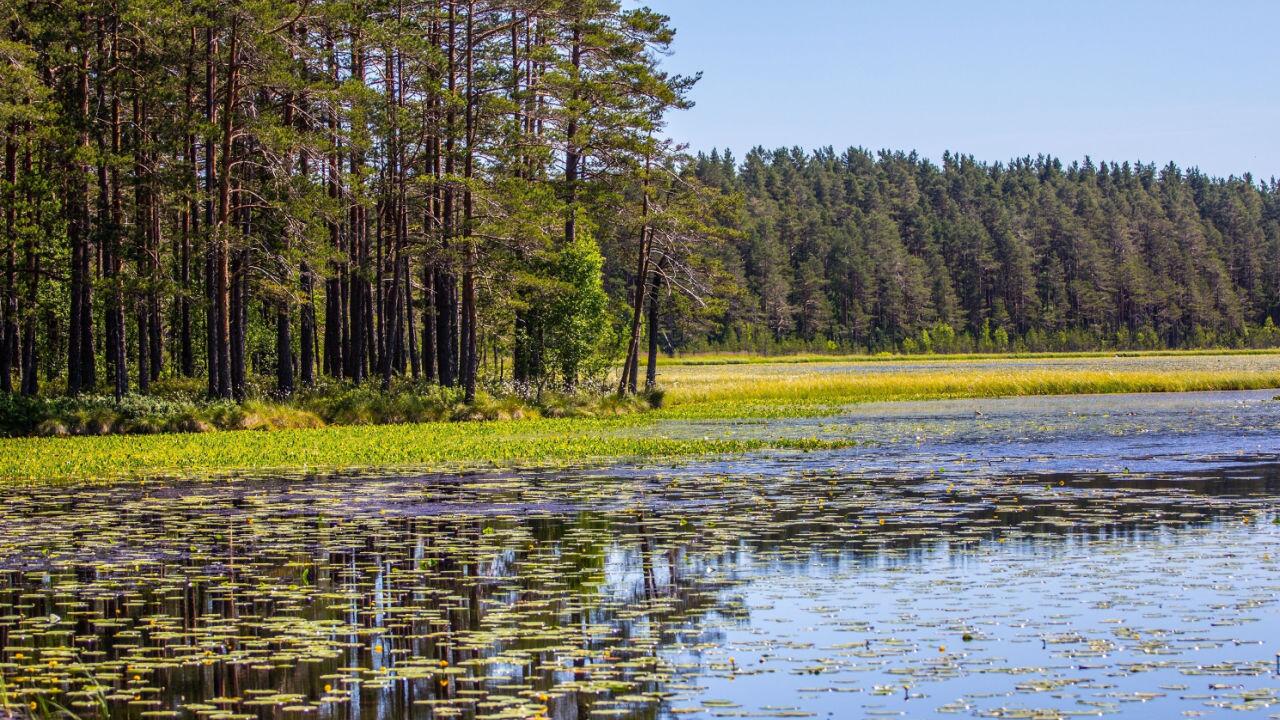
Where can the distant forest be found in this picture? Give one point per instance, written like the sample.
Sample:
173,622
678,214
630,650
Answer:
892,252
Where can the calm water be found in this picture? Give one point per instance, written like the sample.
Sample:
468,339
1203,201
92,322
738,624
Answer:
1111,557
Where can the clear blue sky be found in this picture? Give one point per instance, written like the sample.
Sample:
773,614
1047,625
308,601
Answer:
1192,81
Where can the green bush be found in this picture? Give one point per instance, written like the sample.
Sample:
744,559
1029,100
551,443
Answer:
179,406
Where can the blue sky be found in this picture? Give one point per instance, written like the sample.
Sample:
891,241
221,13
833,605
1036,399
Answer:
1195,82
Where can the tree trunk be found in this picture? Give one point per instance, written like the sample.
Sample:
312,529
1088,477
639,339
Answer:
446,325
571,153
214,339
284,337
222,230
307,329
651,367
111,220
142,230
428,323
30,359
284,352
469,360
389,301
446,282
627,384
10,309
358,242
77,231
190,224
411,321
334,313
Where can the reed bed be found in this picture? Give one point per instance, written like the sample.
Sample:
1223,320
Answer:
733,391
691,392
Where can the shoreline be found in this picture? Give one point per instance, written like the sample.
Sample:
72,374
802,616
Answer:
742,392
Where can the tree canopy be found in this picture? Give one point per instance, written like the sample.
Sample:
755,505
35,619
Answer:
889,251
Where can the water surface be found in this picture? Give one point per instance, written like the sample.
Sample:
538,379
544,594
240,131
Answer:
1061,557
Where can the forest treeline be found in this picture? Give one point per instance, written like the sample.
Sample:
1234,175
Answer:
892,252
264,195
271,192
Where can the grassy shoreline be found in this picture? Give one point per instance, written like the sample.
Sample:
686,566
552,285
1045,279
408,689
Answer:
744,358
756,390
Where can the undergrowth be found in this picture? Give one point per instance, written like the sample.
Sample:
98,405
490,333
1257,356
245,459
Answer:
179,406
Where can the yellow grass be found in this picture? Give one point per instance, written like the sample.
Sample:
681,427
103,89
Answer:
793,389
757,389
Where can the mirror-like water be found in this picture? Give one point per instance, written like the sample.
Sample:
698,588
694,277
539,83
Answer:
1113,433
790,587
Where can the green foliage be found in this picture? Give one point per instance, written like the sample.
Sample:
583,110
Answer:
142,415
576,314
180,406
889,252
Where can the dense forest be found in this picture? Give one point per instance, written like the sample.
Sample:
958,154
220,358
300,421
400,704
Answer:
350,189
891,252
276,194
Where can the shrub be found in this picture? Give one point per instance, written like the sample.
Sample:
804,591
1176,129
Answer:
179,407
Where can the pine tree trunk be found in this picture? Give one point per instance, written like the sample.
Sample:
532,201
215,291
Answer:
307,329
469,360
112,217
222,231
284,336
627,384
410,320
651,367
152,258
428,323
284,352
142,230
446,324
77,228
334,363
10,309
186,357
571,155
30,359
358,241
446,282
190,224
215,339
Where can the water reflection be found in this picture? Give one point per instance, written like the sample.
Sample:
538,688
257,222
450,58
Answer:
570,595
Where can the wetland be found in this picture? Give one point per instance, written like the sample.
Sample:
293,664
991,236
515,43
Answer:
1084,556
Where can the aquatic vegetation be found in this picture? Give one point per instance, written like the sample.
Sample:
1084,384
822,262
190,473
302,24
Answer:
648,594
433,445
706,410
764,389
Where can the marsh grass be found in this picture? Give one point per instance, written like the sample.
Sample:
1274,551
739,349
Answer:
715,358
566,431
731,391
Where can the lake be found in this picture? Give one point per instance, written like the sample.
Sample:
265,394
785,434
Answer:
1110,556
